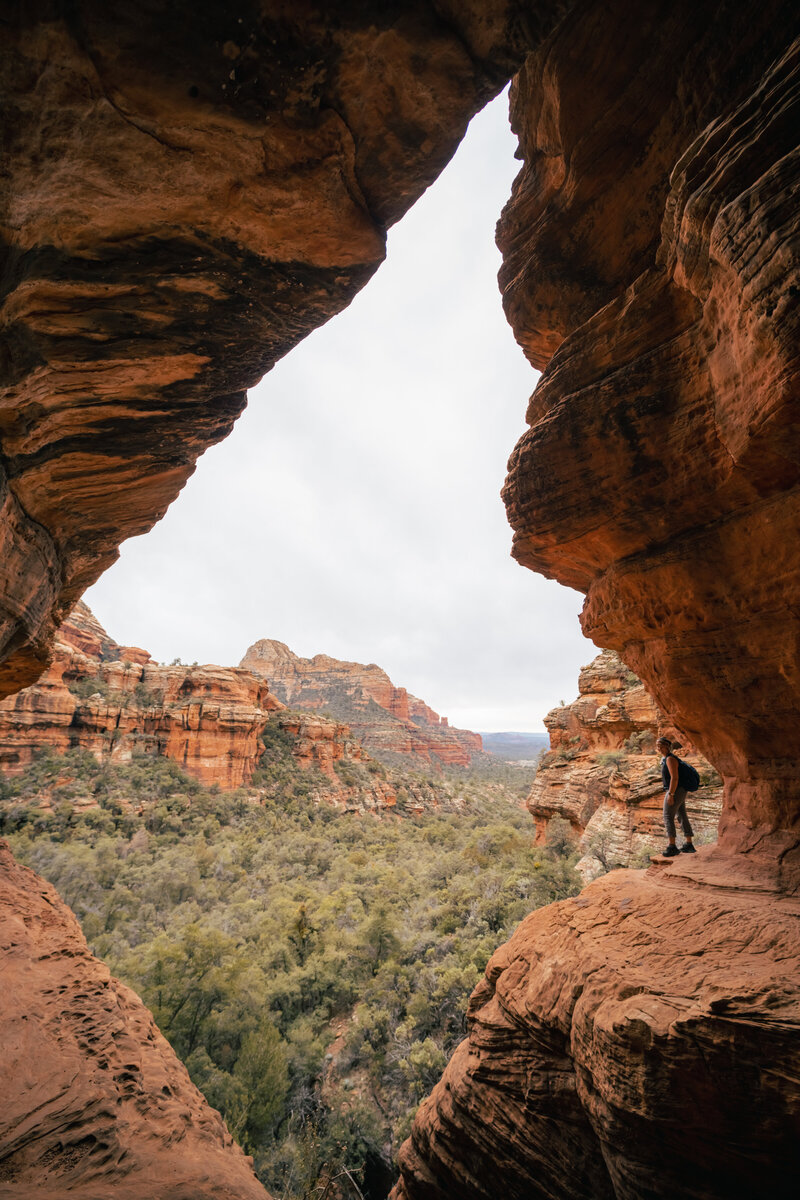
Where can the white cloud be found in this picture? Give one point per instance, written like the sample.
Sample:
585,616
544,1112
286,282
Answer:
355,509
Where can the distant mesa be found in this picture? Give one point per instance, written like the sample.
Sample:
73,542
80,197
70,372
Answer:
116,702
390,722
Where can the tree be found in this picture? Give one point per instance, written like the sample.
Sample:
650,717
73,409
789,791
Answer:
263,1067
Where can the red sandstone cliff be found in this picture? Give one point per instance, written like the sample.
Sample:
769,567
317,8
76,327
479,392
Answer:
208,719
387,719
188,191
115,702
95,1103
649,274
602,773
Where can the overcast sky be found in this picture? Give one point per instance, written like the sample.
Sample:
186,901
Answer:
355,509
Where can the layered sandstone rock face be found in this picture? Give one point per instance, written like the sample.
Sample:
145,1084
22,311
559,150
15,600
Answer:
208,719
625,1042
95,1103
116,702
638,1040
188,190
320,743
649,270
386,719
602,773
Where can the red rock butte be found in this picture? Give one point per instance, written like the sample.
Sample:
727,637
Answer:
387,719
188,190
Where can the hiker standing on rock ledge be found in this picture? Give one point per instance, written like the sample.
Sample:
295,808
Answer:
675,797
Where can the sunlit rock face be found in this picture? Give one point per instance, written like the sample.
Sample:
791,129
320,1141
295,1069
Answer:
188,189
95,1103
602,773
650,270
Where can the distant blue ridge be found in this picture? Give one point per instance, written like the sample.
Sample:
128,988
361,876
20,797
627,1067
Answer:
515,745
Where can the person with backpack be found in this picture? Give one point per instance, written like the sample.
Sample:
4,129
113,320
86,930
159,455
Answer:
679,778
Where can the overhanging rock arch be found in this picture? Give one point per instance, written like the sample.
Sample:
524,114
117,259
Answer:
192,188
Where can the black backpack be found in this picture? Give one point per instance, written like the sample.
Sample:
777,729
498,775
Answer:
687,776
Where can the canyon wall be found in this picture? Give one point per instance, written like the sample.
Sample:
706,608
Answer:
208,719
649,270
188,190
603,775
115,702
387,719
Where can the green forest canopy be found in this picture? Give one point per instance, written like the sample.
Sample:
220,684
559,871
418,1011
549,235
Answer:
310,968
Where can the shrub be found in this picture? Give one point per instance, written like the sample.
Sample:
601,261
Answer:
611,758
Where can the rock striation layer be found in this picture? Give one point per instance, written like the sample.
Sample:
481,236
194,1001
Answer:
638,1040
95,1103
602,773
386,719
207,719
650,270
188,190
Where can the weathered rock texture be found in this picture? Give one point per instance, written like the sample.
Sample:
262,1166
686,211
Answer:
602,773
95,1103
387,719
643,1039
188,189
208,719
651,270
116,702
638,1041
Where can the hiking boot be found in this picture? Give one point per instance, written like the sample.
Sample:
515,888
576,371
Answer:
671,852
688,849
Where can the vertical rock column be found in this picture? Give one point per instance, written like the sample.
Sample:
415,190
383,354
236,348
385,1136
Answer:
651,271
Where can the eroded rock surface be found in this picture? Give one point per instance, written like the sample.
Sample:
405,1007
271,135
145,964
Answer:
603,775
95,1103
387,719
638,1040
650,269
208,719
188,190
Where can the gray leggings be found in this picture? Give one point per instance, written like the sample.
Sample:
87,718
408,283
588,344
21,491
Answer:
677,809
